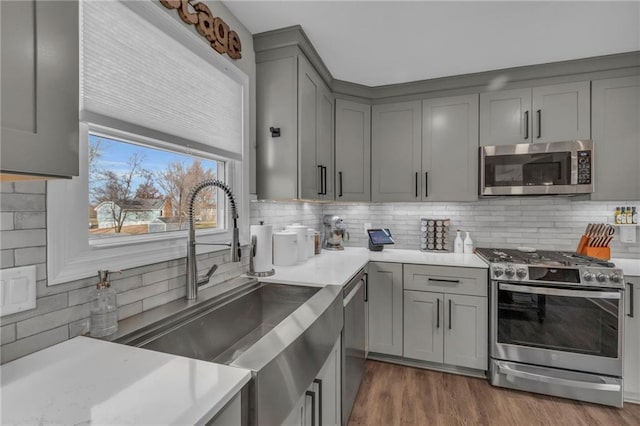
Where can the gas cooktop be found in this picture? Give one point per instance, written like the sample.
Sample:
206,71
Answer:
550,267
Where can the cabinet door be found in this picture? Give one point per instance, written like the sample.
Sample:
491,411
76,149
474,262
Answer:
424,326
450,149
385,308
353,151
465,333
276,106
328,386
39,81
325,141
561,112
505,117
616,137
309,171
631,370
396,147
297,417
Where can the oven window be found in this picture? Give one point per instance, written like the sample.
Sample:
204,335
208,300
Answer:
572,324
537,169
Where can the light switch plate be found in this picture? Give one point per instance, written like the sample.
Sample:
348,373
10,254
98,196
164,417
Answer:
628,233
17,289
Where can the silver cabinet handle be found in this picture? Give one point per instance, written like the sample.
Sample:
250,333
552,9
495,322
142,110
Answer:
313,406
630,314
504,369
557,292
319,383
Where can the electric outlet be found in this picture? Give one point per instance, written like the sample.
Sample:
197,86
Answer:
366,226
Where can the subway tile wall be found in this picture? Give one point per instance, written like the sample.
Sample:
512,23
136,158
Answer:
62,311
550,223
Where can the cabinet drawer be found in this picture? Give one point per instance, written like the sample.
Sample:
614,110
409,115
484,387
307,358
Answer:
446,279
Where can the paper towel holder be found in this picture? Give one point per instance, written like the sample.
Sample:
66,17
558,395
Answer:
252,255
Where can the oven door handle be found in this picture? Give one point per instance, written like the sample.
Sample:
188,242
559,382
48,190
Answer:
559,292
503,369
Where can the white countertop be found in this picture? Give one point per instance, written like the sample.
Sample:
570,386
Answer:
89,381
338,267
629,267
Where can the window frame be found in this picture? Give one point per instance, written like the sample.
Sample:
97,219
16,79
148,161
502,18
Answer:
70,256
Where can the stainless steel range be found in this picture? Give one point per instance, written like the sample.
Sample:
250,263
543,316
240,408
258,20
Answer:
556,324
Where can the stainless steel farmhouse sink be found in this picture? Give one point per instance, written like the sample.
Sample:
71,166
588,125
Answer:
283,333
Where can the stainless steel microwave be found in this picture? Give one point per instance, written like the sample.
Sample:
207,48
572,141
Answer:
537,168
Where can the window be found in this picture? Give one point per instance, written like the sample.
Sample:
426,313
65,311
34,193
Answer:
136,189
150,88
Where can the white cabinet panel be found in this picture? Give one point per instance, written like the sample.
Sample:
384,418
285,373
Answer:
465,338
423,326
353,151
505,117
385,308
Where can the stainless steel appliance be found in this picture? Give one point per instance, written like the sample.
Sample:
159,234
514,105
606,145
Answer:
353,343
556,324
537,168
335,232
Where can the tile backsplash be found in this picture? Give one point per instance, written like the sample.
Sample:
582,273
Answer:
62,311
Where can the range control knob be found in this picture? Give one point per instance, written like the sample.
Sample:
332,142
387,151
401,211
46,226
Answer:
615,278
509,272
589,276
521,273
497,271
601,277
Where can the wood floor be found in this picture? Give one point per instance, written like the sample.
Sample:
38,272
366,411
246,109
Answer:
397,395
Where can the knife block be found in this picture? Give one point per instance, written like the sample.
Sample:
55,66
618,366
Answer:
603,253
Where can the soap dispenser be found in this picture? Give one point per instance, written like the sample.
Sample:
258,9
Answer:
458,245
104,313
468,244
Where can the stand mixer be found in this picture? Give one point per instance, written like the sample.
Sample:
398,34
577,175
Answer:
335,232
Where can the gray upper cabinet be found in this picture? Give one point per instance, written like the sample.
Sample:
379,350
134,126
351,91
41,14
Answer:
450,148
39,85
505,117
616,136
534,115
396,152
298,163
353,151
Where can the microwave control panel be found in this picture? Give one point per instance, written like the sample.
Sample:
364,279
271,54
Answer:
584,167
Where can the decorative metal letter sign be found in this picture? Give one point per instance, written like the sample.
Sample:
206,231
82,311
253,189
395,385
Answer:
214,29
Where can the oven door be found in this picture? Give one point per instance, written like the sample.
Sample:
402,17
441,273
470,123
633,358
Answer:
567,328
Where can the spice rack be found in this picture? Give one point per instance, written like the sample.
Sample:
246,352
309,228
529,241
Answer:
434,234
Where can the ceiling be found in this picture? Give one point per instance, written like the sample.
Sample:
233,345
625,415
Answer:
377,43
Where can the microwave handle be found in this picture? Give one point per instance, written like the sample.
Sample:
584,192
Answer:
550,291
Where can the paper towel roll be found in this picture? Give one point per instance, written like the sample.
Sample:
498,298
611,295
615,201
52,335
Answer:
264,248
303,239
285,248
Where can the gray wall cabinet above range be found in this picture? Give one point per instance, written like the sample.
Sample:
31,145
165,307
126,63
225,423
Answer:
353,151
298,163
559,112
40,97
616,137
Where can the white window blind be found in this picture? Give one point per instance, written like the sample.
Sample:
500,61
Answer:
138,76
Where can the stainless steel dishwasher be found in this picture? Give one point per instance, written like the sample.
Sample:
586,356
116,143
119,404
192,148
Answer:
353,341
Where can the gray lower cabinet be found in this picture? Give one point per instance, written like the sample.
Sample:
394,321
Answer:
385,308
446,328
450,148
616,136
631,372
323,398
353,151
446,315
297,162
396,151
551,113
39,86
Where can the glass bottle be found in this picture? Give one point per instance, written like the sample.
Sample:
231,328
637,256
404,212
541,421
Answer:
102,304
